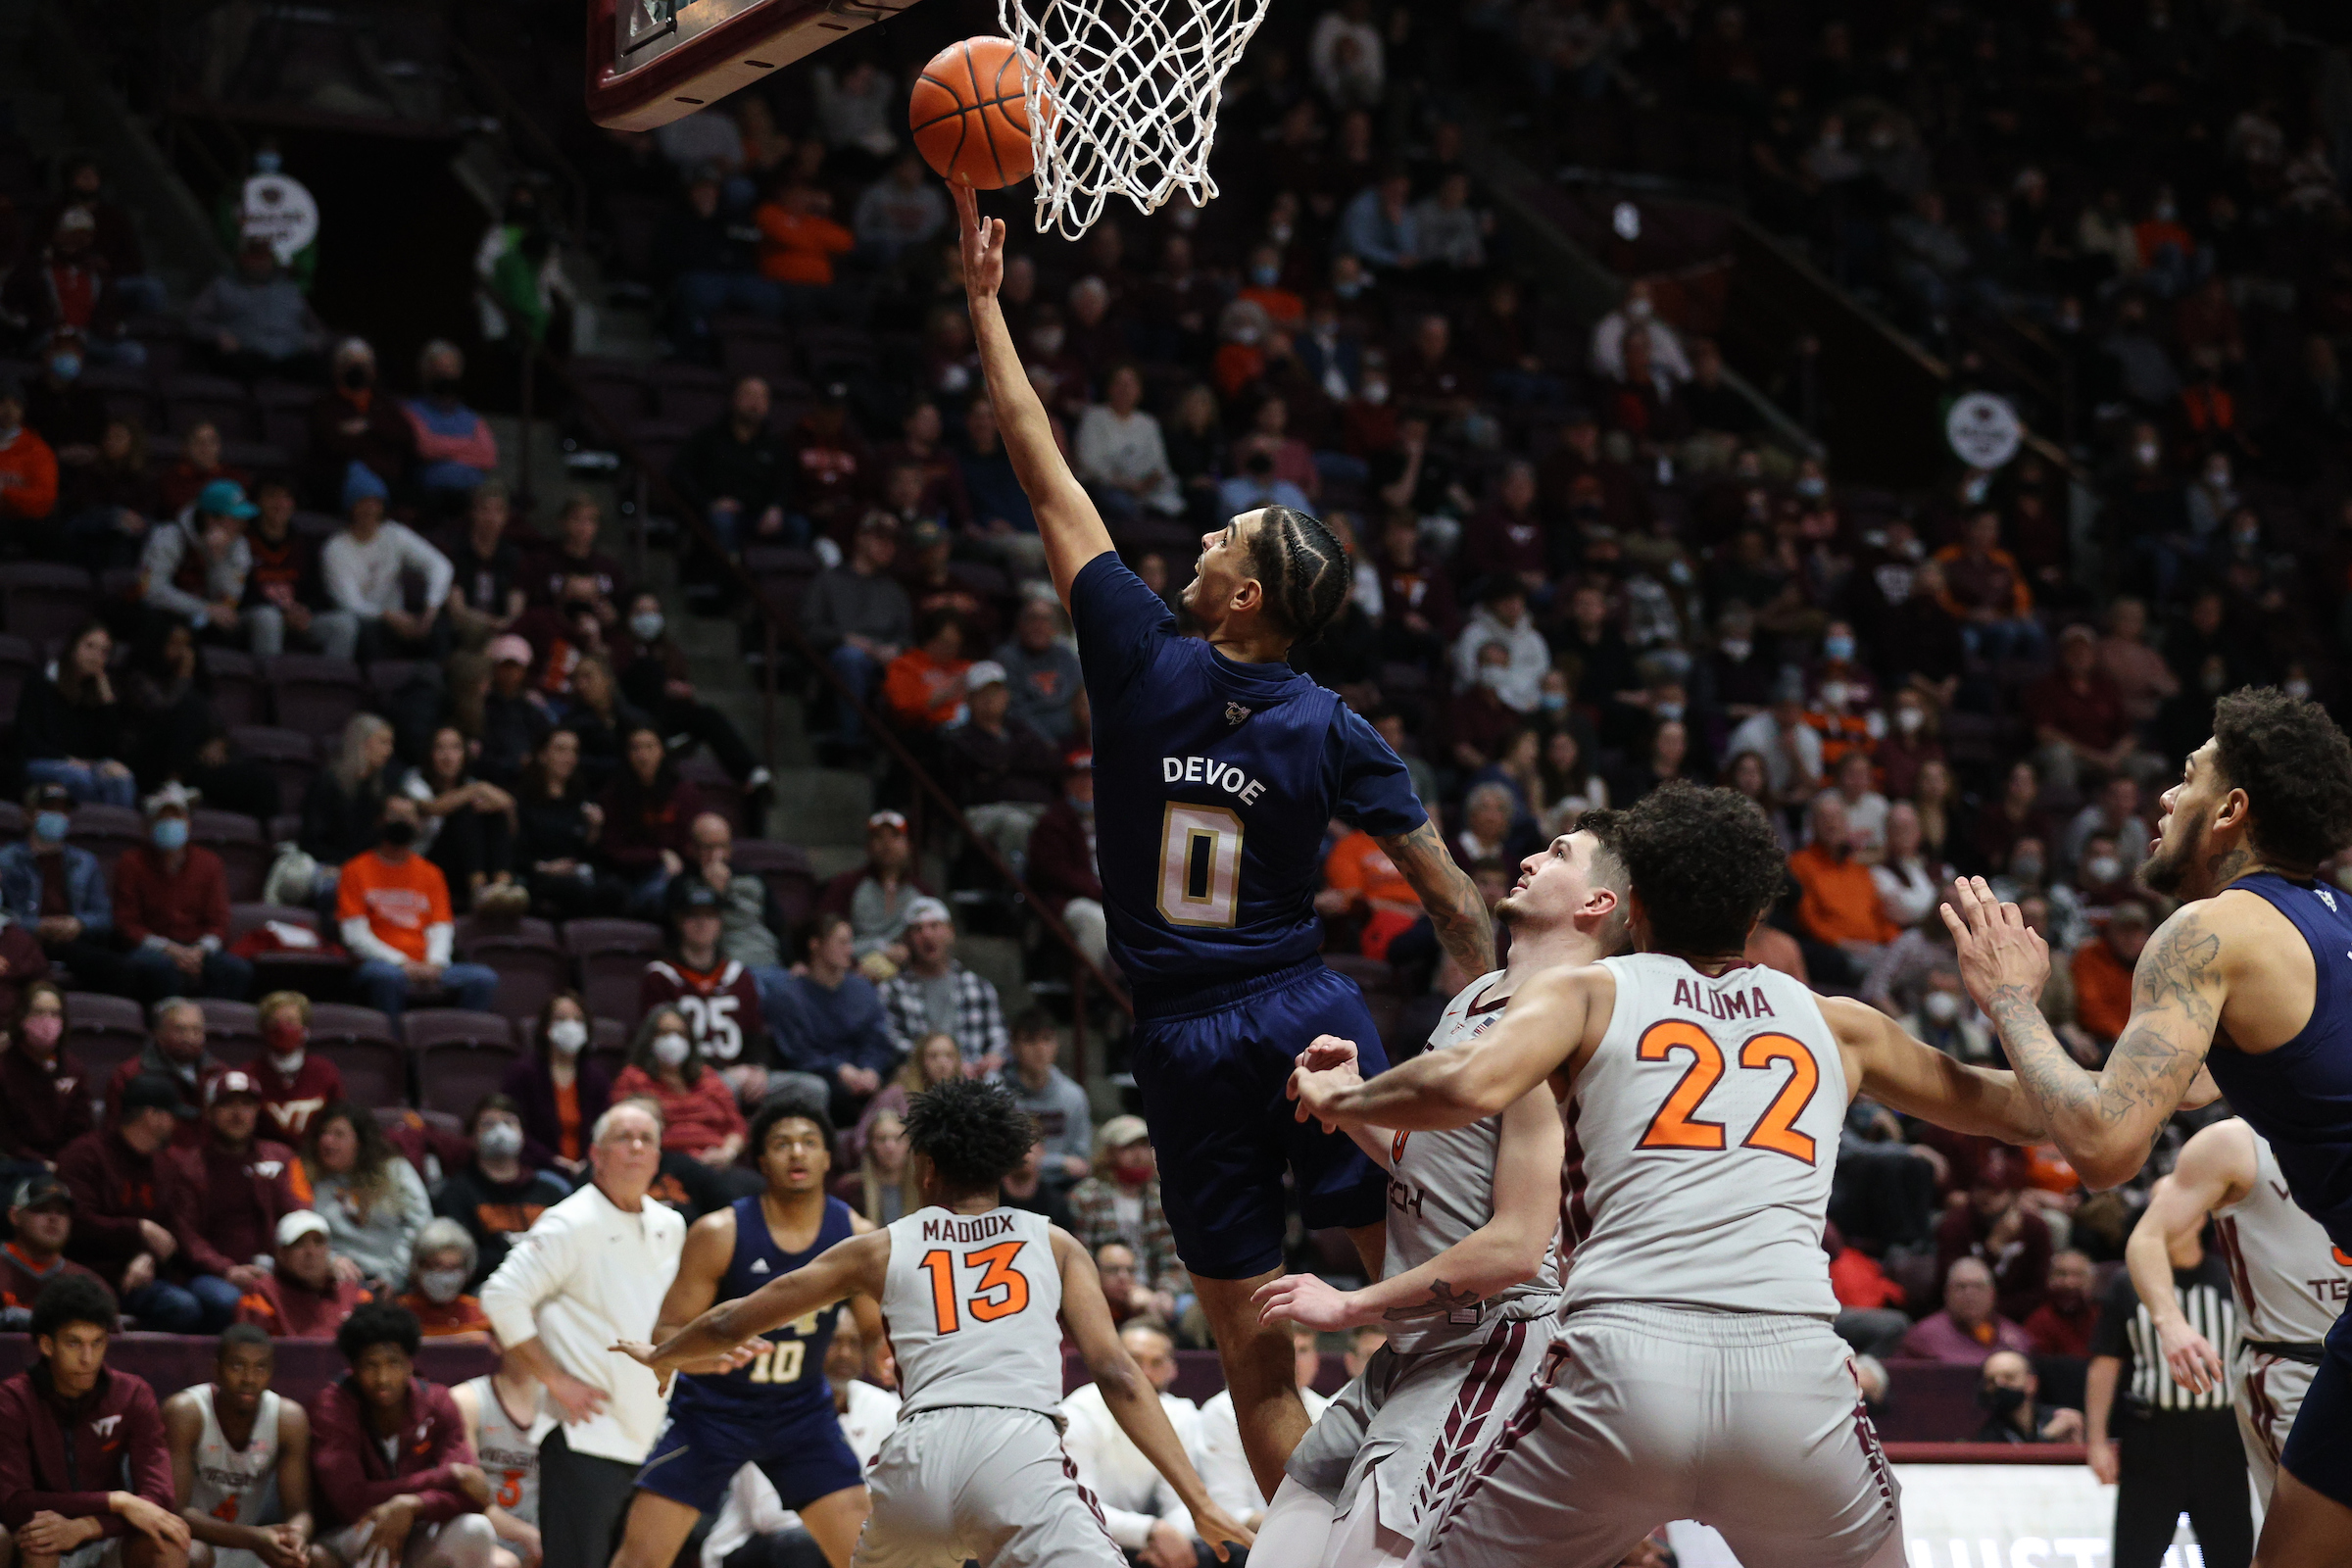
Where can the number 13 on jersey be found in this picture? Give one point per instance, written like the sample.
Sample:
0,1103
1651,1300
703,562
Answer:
1000,1291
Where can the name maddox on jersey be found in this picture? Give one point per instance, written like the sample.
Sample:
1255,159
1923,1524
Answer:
1215,775
1735,1003
973,1228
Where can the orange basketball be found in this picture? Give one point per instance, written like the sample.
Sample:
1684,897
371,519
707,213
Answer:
969,116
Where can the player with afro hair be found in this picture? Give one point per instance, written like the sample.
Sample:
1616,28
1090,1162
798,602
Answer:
974,1134
1705,866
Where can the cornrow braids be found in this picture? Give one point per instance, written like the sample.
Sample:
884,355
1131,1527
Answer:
1304,569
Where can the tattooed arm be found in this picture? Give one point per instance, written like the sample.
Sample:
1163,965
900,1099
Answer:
1449,894
2105,1122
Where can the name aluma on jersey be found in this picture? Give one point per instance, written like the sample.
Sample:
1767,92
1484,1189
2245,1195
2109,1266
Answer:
1215,775
1734,1004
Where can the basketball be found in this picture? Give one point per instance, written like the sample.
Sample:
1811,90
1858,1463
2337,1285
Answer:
969,116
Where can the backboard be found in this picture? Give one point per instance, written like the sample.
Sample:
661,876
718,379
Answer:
651,62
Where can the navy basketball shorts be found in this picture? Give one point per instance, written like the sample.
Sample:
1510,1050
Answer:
2318,1450
800,1451
1213,1078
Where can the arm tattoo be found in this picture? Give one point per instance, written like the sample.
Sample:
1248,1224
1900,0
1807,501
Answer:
1442,1299
1446,893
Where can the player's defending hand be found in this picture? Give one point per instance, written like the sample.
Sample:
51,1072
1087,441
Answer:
1304,1299
1998,952
1329,1053
982,240
2189,1355
1315,1091
1214,1526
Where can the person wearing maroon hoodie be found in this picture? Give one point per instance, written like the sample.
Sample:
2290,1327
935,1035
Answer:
174,1053
295,1085
306,1295
82,1453
234,1188
421,1508
44,1094
123,1200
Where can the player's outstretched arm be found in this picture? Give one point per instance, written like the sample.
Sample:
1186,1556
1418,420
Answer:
2217,1168
702,1265
1133,1402
1447,895
2105,1122
1067,518
1888,1066
1503,1252
846,1268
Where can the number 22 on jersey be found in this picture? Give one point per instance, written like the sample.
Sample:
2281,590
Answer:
1001,1290
1678,1125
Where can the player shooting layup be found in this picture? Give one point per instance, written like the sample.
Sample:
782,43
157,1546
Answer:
1217,769
1473,1213
2251,981
1694,1373
2291,1283
974,1298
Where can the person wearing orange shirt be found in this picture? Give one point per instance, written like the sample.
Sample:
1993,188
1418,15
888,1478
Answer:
27,466
1841,923
1984,590
1359,879
2102,971
798,238
392,904
923,687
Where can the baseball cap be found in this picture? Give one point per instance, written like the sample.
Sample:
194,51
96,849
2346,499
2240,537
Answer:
40,1191
922,910
1120,1131
224,498
296,1223
232,1082
984,672
41,797
509,648
75,217
886,819
150,1090
691,893
1078,762
174,796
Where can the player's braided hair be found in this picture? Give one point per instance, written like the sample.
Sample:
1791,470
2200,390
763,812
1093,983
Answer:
1302,568
973,1133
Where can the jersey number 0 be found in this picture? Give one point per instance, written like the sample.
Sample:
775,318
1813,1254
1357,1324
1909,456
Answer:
1199,864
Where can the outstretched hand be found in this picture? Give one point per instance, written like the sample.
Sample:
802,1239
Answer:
1997,950
644,1355
1306,1300
983,242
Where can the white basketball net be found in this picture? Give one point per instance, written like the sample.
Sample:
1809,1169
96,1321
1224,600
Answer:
1130,96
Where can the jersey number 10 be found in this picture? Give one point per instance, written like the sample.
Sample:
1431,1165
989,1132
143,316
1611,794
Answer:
1199,864
996,1274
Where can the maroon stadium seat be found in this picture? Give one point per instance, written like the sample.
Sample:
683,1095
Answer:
313,692
233,1030
105,831
359,1042
460,1056
43,603
103,1032
233,836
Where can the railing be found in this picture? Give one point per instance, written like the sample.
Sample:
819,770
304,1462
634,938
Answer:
781,631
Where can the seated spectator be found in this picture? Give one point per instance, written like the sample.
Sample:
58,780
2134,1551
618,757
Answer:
1119,1201
2062,1324
2078,715
1063,1114
200,463
883,1187
1790,749
1636,315
1040,671
71,415
27,472
933,1060
1217,1451
1138,1505
352,421
85,1500
507,1413
465,829
2007,1390
798,240
497,1196
557,828
126,1192
455,449
575,555
555,636
1506,538
514,719
649,814
2139,672
1377,225
1360,882
67,282
294,1084
285,597
750,930
307,1292
1503,617
1005,772
558,1092
44,1092
923,688
1841,922
425,1494
234,1187
737,473
1853,782
256,321
700,1118
70,724
2102,971
486,594
365,567
1984,590
243,1499
171,905
1967,1327
370,1196
1493,827
392,910
900,212
654,674
175,1053
41,1222
1120,455
343,813
1945,1020
1571,786
2000,1230
1061,862
1027,1189
833,1028
2115,816
876,896
196,566
1258,485
109,503
716,995
445,1260
935,994
1909,886
57,890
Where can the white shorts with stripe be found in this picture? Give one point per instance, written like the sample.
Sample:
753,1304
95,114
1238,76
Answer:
1414,1425
2269,1391
980,1482
1748,1422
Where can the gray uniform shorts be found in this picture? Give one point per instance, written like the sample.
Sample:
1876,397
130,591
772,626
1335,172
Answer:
979,1482
1748,1422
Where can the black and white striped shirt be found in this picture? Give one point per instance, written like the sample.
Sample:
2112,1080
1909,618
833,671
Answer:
2126,1332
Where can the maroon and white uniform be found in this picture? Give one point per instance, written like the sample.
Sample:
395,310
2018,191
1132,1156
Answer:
721,1008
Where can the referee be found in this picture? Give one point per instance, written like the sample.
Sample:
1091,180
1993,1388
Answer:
2168,1451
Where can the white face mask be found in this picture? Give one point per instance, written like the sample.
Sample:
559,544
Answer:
2101,869
671,1049
441,1285
1833,695
2299,690
288,1066
568,1036
1909,719
1942,1007
1736,648
647,624
501,1139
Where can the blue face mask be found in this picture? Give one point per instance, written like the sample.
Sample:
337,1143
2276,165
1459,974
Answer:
1840,649
65,367
1265,276
169,833
51,825
267,163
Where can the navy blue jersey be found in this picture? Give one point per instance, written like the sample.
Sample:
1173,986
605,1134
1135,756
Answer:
2299,1096
1214,783
791,1373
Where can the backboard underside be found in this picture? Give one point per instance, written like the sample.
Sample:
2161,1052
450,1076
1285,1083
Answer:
651,62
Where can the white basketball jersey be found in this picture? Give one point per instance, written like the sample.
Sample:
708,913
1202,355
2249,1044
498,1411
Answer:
236,1486
1441,1188
509,1450
1702,1136
973,1305
2290,1282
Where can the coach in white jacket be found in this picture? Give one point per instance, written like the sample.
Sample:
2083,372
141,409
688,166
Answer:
593,1270
1139,1507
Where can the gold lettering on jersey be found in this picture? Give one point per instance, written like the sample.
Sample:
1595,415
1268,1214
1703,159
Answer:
1213,773
971,1228
1735,1003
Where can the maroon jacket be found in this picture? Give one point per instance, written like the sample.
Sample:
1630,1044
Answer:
182,907
190,1131
226,1204
20,1282
114,1188
42,1109
1061,863
352,1476
287,1308
65,1459
27,962
289,1104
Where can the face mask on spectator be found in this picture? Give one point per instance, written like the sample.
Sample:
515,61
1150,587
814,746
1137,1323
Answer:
51,825
1812,487
1376,393
646,625
2100,870
1637,310
1265,276
169,833
442,386
501,1139
1942,1007
1554,702
441,1285
568,1036
1492,676
2026,868
44,1029
1046,340
1840,647
1350,288
1833,694
266,162
2299,689
65,367
1668,713
355,377
284,1041
671,1049
1279,233
1736,648
1998,1400
1909,719
2145,453
399,833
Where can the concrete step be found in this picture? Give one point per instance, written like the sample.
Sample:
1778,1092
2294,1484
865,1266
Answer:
831,860
997,960
817,807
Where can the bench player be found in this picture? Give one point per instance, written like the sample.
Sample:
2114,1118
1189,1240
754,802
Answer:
2290,1282
975,1297
1217,771
241,1461
2245,991
1473,1213
507,1415
1693,1372
776,1410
